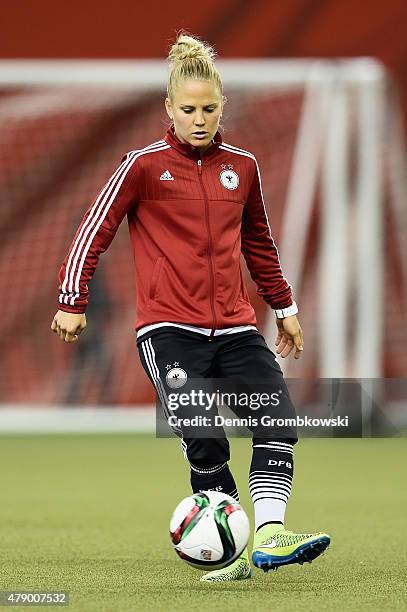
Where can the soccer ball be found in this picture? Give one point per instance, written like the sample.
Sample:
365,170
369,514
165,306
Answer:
209,530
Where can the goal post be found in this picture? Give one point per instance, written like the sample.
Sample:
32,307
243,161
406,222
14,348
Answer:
329,143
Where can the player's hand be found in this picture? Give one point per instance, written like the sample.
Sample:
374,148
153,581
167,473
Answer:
289,337
68,325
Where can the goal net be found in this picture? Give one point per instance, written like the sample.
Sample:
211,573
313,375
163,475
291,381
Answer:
328,137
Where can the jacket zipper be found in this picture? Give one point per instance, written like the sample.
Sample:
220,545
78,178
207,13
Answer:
209,251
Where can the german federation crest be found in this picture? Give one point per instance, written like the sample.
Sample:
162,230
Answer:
176,378
229,179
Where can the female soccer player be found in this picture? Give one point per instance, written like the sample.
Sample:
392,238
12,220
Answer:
194,203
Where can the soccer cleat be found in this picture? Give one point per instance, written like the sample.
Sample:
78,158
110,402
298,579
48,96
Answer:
274,546
238,570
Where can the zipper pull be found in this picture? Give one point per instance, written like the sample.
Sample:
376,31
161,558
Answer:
199,166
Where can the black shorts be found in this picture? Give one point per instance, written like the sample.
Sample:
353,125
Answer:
178,361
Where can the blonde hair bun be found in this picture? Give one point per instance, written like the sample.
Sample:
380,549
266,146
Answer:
187,47
191,58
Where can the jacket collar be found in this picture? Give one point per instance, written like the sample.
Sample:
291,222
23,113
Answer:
189,150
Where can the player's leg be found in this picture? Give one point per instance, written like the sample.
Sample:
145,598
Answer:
170,354
210,472
270,483
248,360
208,458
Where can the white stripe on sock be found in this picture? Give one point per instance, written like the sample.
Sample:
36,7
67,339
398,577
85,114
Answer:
270,492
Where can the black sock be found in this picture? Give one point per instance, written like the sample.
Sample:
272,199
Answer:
206,477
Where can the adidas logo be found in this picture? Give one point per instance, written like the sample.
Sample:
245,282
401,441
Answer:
166,176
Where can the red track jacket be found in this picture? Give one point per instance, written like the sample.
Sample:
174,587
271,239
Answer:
189,219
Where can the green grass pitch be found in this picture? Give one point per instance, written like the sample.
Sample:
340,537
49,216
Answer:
89,514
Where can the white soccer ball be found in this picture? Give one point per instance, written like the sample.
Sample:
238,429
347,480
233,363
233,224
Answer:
209,530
